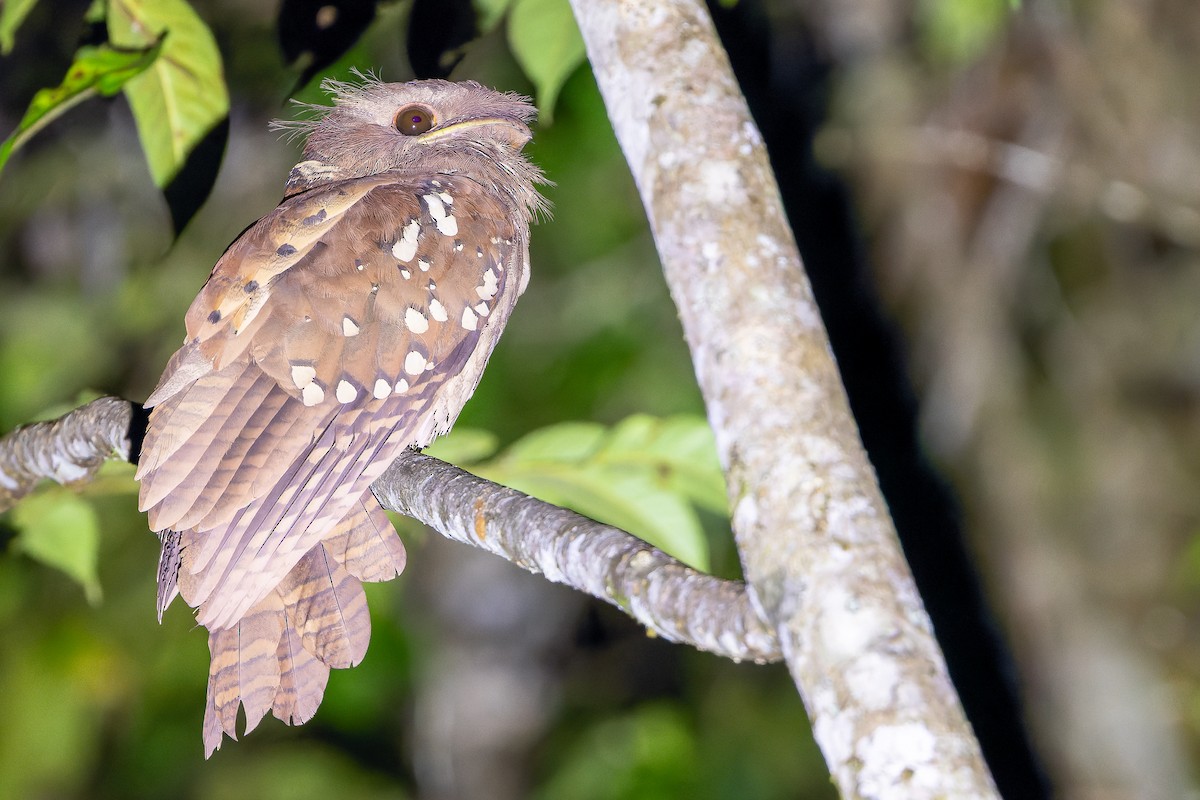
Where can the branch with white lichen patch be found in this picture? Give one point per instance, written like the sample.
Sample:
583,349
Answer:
66,450
670,599
816,540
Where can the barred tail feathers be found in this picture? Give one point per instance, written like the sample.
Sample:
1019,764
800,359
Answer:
277,657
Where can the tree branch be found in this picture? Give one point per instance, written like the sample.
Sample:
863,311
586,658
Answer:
669,598
69,449
672,600
816,540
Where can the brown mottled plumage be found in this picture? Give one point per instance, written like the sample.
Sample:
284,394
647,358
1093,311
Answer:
351,322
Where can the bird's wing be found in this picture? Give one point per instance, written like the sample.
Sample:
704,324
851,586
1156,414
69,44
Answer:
322,344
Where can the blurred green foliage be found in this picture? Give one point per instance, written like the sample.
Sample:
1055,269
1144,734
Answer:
59,529
12,14
161,55
643,475
546,43
99,70
960,31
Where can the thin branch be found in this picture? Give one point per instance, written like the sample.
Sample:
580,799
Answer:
670,599
817,542
67,450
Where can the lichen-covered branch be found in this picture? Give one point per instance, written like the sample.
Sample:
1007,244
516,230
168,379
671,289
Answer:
66,450
816,540
670,599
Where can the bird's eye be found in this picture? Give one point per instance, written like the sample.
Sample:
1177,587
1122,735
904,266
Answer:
414,120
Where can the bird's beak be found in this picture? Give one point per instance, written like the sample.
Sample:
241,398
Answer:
514,130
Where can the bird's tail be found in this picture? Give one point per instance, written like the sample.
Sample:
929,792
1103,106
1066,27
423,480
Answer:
278,656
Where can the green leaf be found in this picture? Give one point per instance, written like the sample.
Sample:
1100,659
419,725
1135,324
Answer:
464,446
183,96
546,43
96,70
488,13
96,12
60,529
681,449
12,14
638,475
565,442
113,477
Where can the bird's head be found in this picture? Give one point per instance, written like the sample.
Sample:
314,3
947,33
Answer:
433,125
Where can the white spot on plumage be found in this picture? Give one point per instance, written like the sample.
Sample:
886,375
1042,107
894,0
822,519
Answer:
481,309
491,284
401,386
469,319
443,219
349,327
416,321
346,392
438,311
423,264
405,274
303,375
312,394
406,246
414,363
382,389
446,198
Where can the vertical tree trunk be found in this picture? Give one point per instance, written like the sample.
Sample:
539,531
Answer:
816,540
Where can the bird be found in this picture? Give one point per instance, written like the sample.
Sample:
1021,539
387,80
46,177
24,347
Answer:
350,323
